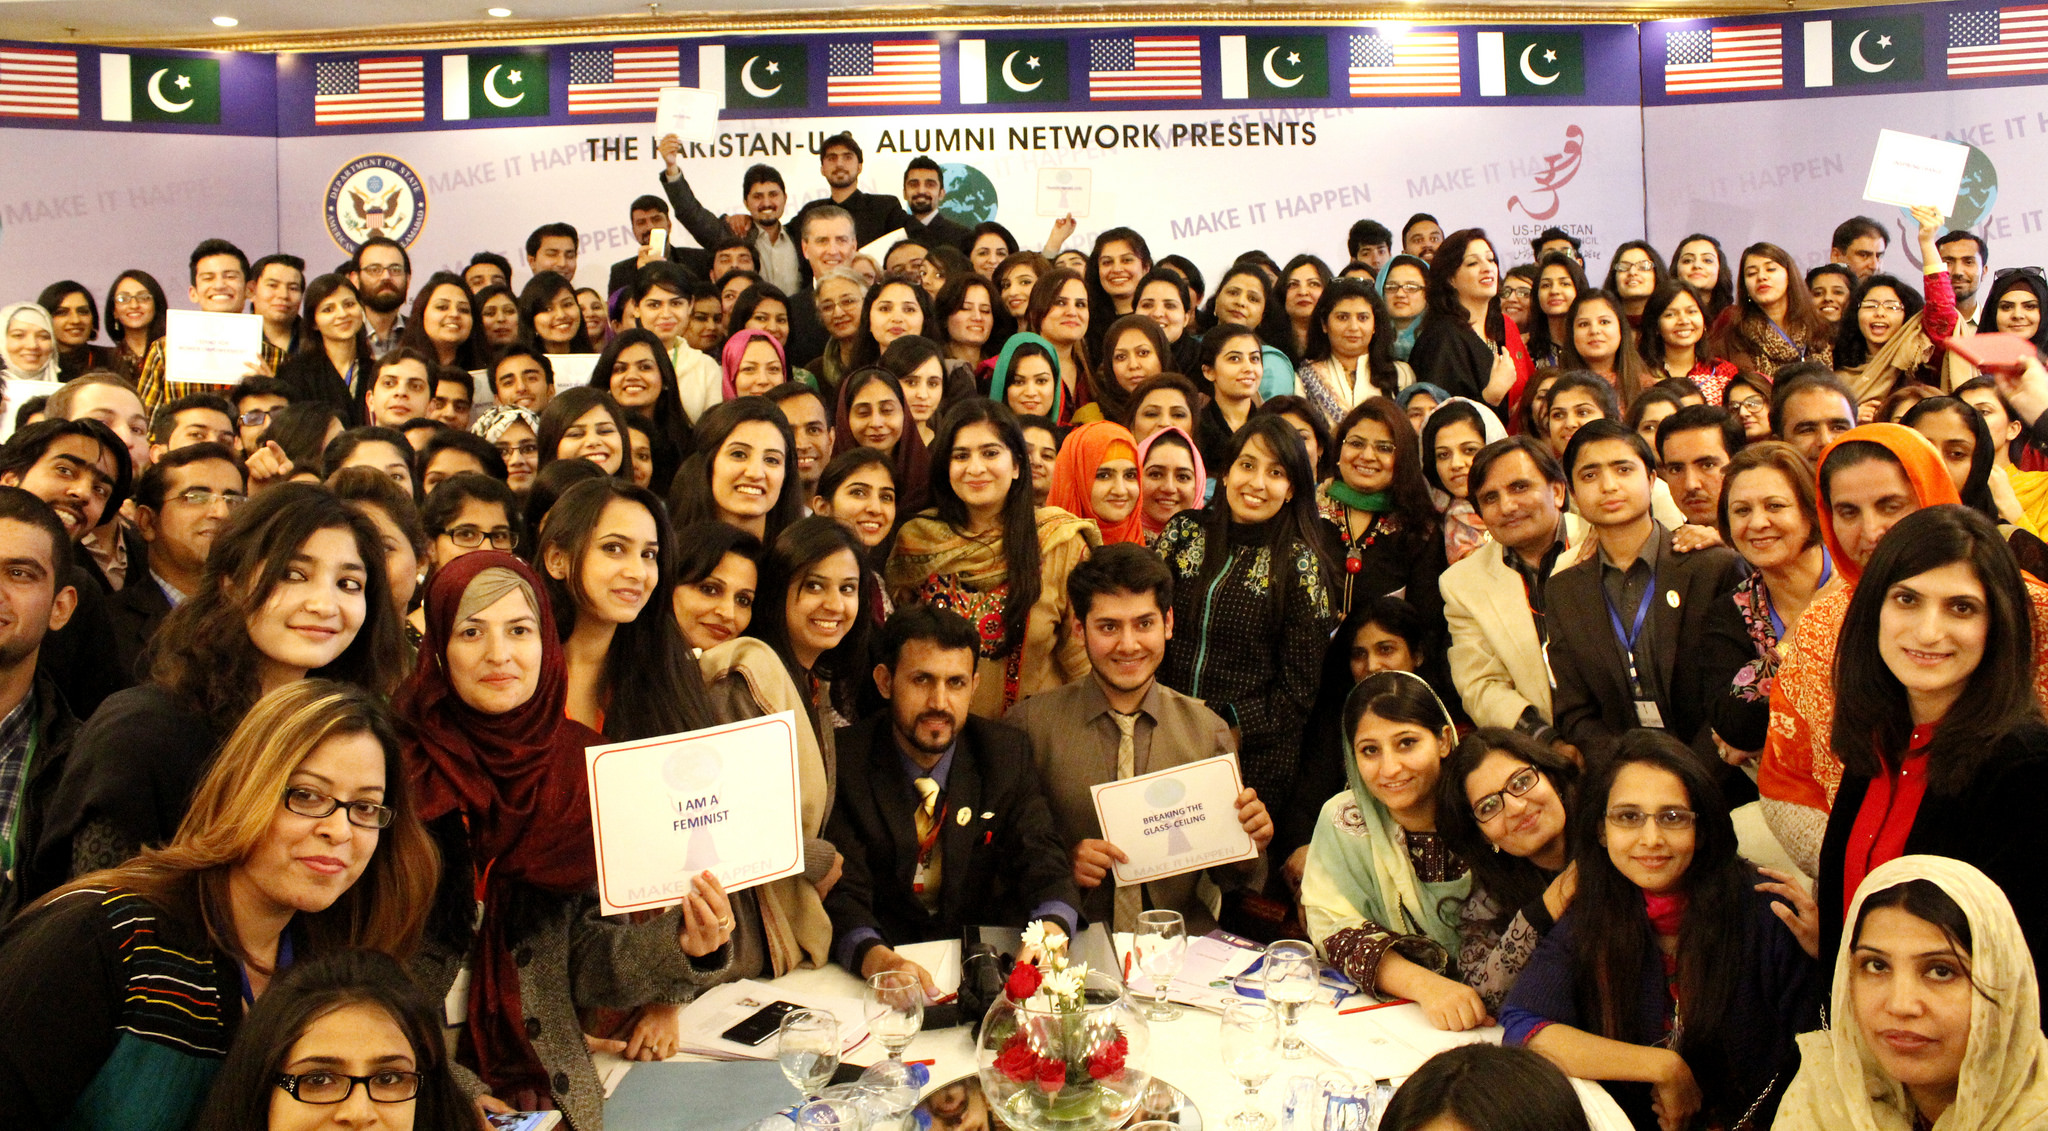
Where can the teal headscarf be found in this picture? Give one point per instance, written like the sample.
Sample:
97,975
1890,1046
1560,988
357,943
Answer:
1005,359
1363,857
1404,341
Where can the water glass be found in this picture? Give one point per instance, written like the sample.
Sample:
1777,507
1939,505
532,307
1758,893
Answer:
895,1010
1249,1038
807,1049
1292,972
1161,940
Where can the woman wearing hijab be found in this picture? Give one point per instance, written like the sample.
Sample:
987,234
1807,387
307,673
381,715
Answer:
1937,1014
753,375
1451,436
1006,370
1871,477
499,771
1096,477
28,349
1408,278
1172,476
1381,894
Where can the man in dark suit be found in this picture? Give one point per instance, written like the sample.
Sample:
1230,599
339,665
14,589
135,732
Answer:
650,214
940,815
827,235
924,186
875,214
181,503
1620,620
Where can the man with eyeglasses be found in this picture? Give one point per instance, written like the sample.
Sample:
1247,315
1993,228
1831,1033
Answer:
181,503
381,274
254,400
36,599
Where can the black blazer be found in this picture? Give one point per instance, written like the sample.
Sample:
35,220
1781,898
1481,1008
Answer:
1003,861
136,611
1590,701
1993,825
1449,354
309,376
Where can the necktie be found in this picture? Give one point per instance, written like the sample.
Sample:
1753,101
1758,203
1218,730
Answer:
927,877
1130,899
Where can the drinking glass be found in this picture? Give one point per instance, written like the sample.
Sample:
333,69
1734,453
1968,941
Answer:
1161,940
807,1048
1291,973
1249,1037
895,1010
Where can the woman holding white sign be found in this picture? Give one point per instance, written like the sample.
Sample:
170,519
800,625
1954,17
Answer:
499,769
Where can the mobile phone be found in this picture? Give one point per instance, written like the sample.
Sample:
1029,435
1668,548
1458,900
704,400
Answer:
1994,353
761,1025
524,1120
657,242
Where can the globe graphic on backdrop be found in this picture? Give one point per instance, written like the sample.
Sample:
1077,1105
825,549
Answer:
970,195
1974,200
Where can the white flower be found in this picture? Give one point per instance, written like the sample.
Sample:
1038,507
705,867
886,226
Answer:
1062,983
1034,935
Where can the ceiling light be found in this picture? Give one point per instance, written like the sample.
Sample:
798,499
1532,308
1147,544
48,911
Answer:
225,21
500,13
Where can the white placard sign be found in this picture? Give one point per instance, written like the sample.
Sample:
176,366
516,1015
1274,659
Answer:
20,391
1064,192
571,369
689,113
203,348
723,799
1911,171
1176,820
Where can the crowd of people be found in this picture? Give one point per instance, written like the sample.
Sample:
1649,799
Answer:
1505,590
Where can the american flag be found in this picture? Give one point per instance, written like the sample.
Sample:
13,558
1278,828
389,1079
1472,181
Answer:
891,73
38,83
1145,66
1998,41
1709,60
619,80
391,89
1390,64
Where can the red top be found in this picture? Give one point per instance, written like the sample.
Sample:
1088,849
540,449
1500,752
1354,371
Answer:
1886,817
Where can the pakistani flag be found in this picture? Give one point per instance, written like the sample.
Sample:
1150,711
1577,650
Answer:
502,84
1877,48
1013,70
1531,62
159,88
757,75
1275,66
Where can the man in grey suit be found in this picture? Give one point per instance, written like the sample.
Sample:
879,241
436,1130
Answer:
1121,722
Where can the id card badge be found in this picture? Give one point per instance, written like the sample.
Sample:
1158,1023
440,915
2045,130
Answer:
1647,714
455,1009
917,878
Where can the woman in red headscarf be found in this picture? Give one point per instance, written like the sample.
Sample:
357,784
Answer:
753,363
499,770
1096,477
1870,478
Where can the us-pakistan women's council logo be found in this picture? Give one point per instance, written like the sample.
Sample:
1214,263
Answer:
375,195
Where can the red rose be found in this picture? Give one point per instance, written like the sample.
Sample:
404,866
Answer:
1107,1062
1017,1061
1052,1074
1024,981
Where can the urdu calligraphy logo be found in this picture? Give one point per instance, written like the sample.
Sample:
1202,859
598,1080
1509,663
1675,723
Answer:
1558,170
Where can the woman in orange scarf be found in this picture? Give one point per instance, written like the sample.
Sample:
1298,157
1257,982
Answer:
1862,474
1096,477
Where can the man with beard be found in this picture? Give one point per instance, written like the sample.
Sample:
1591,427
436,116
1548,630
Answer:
381,274
220,285
36,725
79,469
181,503
278,283
1122,722
1694,446
875,214
924,186
761,188
811,422
939,815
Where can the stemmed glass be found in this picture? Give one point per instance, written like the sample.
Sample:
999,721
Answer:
1161,940
807,1049
895,1010
1291,973
1249,1036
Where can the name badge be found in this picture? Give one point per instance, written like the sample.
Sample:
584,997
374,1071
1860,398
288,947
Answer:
1647,714
455,1009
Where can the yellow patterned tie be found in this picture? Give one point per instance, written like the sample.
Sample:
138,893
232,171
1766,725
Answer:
928,841
1130,899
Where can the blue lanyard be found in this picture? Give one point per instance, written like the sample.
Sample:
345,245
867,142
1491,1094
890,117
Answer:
1786,338
1827,570
284,961
1628,639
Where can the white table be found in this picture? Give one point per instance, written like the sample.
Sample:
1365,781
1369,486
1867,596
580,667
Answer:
1184,1051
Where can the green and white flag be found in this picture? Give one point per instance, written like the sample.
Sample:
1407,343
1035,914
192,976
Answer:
502,84
756,75
1012,70
159,88
1531,62
1275,66
1865,49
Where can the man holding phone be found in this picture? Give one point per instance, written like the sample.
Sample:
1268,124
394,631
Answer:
653,229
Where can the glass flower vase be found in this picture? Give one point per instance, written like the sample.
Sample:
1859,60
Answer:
1048,1068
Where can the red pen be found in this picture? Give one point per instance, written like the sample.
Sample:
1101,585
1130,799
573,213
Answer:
1375,1005
926,1063
1127,963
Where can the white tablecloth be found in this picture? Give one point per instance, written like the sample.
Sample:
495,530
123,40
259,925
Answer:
1184,1051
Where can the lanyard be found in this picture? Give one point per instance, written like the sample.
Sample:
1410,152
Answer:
1827,570
1786,338
284,962
28,765
1628,639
